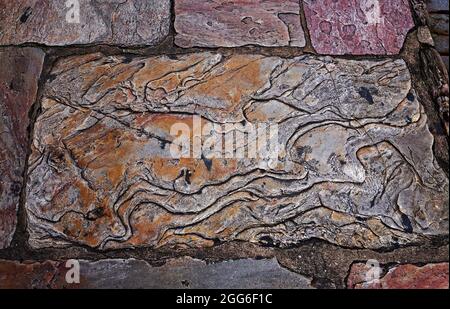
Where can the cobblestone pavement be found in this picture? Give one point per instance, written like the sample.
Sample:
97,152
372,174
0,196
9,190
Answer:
224,144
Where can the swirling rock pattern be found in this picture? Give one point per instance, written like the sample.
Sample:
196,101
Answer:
358,27
231,23
357,168
54,22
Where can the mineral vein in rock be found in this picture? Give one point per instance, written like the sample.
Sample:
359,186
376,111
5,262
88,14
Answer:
358,168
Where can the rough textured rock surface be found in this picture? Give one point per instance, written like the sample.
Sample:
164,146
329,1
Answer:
406,276
231,23
19,75
181,273
119,22
360,173
437,5
356,165
358,27
439,24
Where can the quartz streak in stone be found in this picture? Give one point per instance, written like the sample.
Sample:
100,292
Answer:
358,27
231,23
20,69
119,22
357,168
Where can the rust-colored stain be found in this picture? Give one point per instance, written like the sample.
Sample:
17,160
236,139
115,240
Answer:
105,141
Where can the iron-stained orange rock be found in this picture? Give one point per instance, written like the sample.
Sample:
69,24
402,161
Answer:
354,164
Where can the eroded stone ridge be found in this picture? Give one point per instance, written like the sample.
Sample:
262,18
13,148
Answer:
357,168
50,22
231,23
358,27
19,74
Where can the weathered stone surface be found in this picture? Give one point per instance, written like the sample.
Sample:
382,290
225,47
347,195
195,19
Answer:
233,23
405,276
119,22
441,43
19,74
175,274
356,165
358,27
437,5
439,23
424,36
27,275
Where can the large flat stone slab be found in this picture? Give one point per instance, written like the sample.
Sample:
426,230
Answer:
231,23
115,22
183,273
355,164
19,75
437,5
354,27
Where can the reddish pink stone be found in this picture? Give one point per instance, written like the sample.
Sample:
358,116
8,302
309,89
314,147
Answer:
406,276
358,27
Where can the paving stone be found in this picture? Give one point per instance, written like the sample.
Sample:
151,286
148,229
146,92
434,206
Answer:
357,27
180,273
437,5
19,74
231,23
446,61
404,276
439,23
424,36
441,43
118,22
354,166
